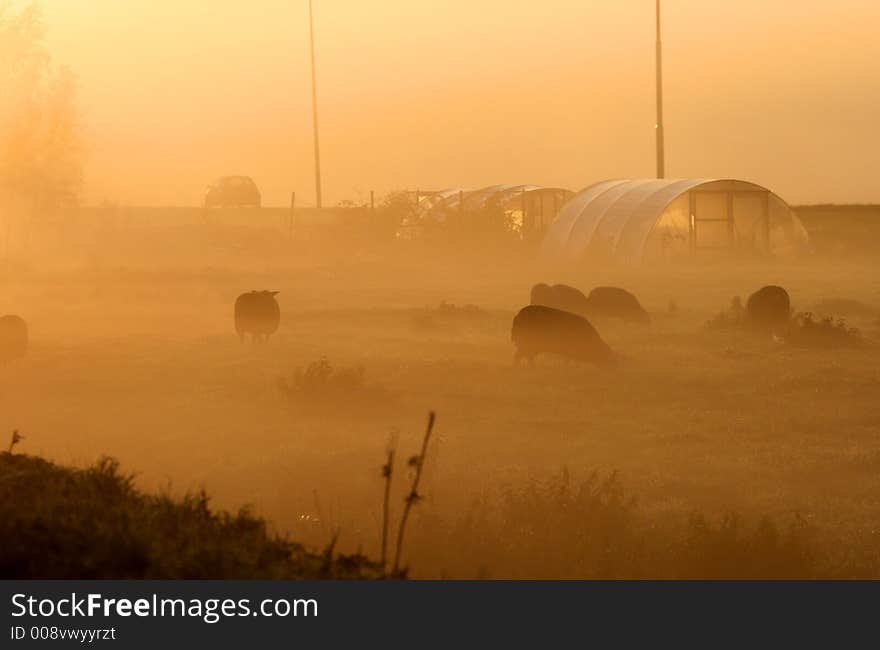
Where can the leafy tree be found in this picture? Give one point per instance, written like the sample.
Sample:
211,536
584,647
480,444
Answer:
41,152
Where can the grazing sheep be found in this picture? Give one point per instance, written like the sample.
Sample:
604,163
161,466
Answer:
13,338
257,313
616,303
559,296
541,294
538,329
769,308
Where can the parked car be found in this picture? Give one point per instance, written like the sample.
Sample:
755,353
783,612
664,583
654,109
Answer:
233,192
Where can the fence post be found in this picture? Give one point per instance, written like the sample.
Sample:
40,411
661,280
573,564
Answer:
731,224
692,223
292,216
8,235
765,209
460,211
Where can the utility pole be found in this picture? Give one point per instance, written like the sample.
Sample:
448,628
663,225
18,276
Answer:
661,163
315,110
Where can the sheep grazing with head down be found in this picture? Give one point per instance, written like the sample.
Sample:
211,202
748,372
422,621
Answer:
541,294
615,302
257,313
13,338
538,329
559,296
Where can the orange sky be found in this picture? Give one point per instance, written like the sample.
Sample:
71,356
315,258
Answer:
436,93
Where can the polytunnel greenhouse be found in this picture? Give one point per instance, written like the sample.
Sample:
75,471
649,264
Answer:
524,209
635,221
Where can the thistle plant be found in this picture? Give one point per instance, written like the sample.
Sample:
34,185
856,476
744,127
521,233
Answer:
16,438
418,462
387,475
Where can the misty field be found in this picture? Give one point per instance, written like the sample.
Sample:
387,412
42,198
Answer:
134,356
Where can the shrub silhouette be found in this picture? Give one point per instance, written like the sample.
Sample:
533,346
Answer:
594,529
63,523
806,331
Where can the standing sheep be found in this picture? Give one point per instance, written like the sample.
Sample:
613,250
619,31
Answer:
257,313
769,308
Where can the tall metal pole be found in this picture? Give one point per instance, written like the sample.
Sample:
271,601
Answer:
315,110
661,163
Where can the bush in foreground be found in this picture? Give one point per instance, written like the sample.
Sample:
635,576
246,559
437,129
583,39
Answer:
63,523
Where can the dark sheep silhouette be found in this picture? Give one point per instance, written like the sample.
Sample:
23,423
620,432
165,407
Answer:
538,329
541,294
559,296
769,307
13,338
616,303
257,313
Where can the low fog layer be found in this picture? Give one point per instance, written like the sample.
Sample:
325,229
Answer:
708,448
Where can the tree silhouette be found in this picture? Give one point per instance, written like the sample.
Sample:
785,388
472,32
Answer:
41,153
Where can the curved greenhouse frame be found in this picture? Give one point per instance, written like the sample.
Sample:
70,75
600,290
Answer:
634,221
530,209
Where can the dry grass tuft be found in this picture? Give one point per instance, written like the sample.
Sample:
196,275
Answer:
808,332
321,385
594,529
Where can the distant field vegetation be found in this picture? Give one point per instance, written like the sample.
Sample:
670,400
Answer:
842,229
737,454
65,523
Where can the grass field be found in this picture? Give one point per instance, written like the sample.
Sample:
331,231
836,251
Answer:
134,356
